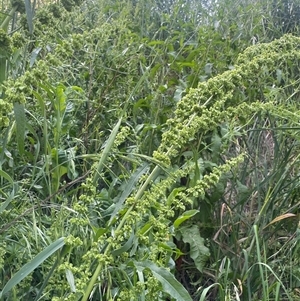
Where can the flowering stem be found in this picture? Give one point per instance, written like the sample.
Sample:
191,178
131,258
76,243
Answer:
155,172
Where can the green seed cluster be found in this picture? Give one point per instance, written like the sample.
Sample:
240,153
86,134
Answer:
5,44
227,95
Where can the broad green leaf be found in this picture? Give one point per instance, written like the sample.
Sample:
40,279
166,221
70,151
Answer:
4,25
196,175
41,102
2,69
19,111
243,190
216,143
145,228
186,215
198,251
169,283
32,265
156,42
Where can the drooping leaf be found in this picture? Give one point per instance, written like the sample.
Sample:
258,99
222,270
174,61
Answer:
280,218
169,283
6,176
7,202
198,251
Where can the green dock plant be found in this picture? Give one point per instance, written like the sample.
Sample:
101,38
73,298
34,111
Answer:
139,164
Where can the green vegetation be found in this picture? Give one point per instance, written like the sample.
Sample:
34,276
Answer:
149,150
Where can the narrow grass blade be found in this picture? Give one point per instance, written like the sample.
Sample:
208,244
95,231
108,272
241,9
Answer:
29,15
33,264
206,290
6,176
2,70
109,144
7,202
19,111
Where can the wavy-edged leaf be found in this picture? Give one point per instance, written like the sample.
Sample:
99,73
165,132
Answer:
198,251
169,283
33,264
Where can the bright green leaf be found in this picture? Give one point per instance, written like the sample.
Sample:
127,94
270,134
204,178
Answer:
186,215
169,283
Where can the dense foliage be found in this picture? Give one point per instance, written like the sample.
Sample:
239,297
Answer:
149,150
